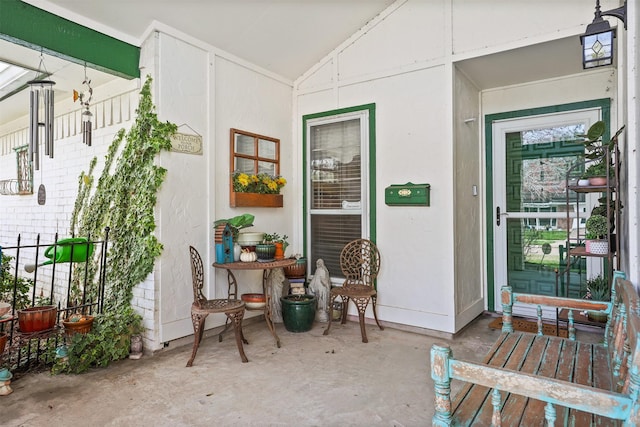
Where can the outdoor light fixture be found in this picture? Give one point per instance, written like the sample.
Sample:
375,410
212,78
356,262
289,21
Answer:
36,113
597,41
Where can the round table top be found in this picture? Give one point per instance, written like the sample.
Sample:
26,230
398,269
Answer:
239,265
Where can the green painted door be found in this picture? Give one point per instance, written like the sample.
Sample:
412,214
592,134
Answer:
531,158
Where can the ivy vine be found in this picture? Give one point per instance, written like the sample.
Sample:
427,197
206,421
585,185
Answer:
123,200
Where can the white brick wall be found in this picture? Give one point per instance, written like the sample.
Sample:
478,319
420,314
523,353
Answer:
22,216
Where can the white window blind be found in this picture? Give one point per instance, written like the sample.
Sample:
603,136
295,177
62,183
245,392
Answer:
336,199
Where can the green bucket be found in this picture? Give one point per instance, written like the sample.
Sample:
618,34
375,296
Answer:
298,312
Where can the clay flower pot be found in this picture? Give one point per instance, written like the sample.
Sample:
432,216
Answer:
3,341
36,319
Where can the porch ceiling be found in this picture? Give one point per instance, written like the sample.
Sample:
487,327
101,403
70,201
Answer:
537,62
286,37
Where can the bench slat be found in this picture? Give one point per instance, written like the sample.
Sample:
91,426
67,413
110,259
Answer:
510,356
553,364
513,404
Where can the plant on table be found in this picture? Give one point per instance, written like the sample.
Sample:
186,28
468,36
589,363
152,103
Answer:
236,223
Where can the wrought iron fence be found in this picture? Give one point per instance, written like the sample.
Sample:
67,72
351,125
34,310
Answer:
68,274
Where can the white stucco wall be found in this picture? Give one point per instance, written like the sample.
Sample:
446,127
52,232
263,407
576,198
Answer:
403,61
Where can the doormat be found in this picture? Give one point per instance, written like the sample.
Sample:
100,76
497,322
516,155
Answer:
524,325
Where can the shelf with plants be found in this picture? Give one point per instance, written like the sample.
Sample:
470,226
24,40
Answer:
591,229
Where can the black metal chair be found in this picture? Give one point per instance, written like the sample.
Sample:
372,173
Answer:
202,307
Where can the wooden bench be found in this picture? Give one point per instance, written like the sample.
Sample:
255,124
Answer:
534,380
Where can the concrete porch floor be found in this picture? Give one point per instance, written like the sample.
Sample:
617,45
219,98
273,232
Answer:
312,380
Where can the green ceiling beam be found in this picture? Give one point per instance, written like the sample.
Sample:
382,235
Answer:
42,31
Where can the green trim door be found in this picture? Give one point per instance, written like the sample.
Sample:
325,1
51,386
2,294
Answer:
529,220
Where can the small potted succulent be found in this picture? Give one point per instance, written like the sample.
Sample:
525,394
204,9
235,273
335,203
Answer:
597,289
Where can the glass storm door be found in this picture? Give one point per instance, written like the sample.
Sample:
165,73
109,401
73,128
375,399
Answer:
531,158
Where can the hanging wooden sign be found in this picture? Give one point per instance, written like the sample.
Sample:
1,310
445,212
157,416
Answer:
188,144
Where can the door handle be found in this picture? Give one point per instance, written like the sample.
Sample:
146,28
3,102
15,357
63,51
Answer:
499,214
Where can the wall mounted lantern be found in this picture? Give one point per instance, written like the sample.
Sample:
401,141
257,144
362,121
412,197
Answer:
597,41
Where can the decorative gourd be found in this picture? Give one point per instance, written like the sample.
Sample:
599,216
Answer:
248,256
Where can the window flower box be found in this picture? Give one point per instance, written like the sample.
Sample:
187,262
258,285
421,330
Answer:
238,200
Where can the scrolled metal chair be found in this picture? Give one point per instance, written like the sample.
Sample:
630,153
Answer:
202,307
360,264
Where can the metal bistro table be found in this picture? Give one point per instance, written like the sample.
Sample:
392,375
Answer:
265,267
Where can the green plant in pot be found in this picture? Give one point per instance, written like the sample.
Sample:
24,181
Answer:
267,249
236,223
597,228
597,289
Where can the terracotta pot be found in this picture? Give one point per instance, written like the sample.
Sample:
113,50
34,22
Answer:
254,301
279,253
78,324
598,180
36,319
297,270
3,341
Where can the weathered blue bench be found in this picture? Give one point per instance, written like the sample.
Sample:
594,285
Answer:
534,380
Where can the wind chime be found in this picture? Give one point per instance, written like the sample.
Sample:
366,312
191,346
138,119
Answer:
85,99
40,89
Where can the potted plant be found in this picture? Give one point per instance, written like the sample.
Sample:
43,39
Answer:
601,154
236,223
298,312
281,244
597,289
267,249
597,229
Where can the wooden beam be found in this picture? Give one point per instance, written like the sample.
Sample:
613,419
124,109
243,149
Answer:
28,26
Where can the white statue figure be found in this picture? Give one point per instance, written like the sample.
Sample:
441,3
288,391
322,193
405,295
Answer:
275,286
320,286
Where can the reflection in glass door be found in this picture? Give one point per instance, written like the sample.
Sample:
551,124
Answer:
531,158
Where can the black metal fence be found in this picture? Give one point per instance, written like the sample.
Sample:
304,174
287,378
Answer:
68,274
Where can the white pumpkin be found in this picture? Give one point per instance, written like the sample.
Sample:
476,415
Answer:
247,256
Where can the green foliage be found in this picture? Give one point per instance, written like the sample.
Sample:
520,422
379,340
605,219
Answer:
597,225
124,200
108,341
7,281
237,223
598,289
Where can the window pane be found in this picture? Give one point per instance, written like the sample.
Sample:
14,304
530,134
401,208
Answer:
266,149
244,145
244,165
267,167
329,234
335,165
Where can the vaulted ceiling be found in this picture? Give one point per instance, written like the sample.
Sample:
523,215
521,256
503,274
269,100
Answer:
286,37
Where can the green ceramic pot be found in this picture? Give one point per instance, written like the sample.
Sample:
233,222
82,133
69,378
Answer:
298,312
265,251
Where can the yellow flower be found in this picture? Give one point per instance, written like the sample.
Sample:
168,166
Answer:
243,179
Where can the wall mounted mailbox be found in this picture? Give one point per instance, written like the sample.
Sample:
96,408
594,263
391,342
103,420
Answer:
408,194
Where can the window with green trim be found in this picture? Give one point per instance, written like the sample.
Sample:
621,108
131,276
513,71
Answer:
338,167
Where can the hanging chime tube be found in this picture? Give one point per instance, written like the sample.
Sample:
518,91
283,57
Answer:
33,128
86,127
48,121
